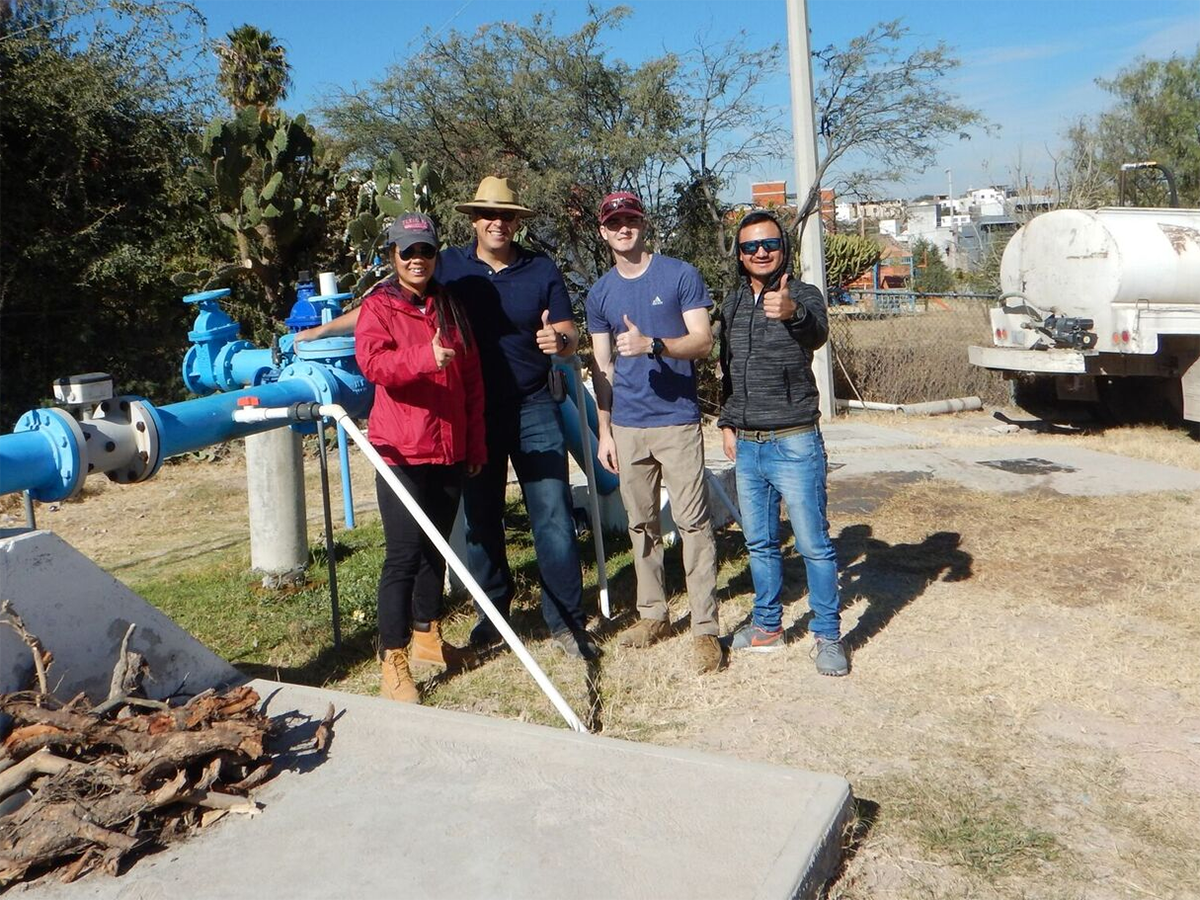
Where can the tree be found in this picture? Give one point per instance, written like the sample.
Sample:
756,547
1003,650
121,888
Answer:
556,113
254,70
884,111
930,275
727,129
1156,117
95,101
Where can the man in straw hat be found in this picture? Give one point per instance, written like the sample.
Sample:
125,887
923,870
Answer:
520,314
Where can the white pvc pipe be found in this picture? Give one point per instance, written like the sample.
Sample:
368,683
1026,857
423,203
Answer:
342,418
931,408
589,468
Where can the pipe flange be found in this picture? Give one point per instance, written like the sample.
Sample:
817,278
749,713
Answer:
141,458
66,441
223,364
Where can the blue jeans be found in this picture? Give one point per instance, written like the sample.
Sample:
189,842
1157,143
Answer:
532,436
793,468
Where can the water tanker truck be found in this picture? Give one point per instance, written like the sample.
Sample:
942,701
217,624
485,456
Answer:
1102,306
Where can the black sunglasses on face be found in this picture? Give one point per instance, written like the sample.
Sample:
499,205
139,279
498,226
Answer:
496,215
768,244
425,251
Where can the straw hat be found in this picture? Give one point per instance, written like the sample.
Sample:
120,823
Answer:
494,193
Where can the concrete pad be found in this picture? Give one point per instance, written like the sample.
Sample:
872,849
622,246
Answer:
81,613
426,803
1015,468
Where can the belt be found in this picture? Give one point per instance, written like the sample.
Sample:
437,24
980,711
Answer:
772,434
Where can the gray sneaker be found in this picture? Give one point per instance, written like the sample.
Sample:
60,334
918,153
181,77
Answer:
830,657
582,647
756,640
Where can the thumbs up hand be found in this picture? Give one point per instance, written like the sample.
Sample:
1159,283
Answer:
632,342
549,339
778,304
443,356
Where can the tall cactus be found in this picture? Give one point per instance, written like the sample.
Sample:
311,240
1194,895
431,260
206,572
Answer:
847,256
266,178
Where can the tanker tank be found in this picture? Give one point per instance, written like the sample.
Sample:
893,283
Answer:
1084,263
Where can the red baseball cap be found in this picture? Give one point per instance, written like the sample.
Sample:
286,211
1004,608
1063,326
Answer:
621,203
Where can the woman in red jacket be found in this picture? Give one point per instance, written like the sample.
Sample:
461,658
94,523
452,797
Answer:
413,342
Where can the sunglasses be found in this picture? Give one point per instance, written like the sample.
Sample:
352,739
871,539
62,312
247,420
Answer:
496,215
425,251
768,244
630,203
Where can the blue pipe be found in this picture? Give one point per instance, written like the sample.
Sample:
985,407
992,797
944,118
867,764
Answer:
28,460
589,401
606,481
193,424
347,487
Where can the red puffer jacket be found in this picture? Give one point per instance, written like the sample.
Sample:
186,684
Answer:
421,415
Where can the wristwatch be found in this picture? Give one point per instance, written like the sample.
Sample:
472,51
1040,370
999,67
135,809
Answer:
563,340
657,348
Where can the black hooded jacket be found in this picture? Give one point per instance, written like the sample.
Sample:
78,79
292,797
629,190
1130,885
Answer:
766,365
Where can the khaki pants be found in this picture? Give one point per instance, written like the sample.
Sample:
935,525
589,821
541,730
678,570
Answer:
674,454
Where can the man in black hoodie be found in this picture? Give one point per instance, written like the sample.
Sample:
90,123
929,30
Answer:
770,325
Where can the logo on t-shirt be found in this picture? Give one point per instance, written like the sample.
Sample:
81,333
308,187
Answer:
657,301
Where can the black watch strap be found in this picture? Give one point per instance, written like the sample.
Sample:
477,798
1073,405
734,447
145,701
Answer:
657,347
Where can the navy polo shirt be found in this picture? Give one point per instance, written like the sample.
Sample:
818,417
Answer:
505,311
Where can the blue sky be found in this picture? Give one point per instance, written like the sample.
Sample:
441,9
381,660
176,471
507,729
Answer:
1028,66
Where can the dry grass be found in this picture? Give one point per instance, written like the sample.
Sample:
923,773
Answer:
914,357
1022,718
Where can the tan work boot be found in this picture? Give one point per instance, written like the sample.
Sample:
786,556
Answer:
644,633
428,647
708,652
397,682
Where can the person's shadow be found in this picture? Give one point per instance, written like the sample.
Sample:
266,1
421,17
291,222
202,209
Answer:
888,577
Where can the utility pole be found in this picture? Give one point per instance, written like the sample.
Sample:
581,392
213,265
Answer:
804,135
953,228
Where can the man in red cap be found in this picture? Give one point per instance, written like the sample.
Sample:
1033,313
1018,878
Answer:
649,320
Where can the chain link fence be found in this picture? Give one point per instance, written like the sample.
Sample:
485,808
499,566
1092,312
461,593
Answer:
904,347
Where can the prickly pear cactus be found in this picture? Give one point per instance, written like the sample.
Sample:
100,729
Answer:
395,187
266,178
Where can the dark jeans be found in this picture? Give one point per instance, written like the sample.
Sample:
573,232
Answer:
532,436
412,578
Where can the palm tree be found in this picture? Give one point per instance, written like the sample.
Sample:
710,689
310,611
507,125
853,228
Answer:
254,68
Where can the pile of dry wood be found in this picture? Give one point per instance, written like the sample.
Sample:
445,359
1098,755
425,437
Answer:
84,787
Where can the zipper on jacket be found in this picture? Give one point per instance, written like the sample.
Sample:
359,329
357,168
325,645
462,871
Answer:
746,364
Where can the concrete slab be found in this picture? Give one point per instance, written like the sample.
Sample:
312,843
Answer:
1015,468
80,613
426,803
